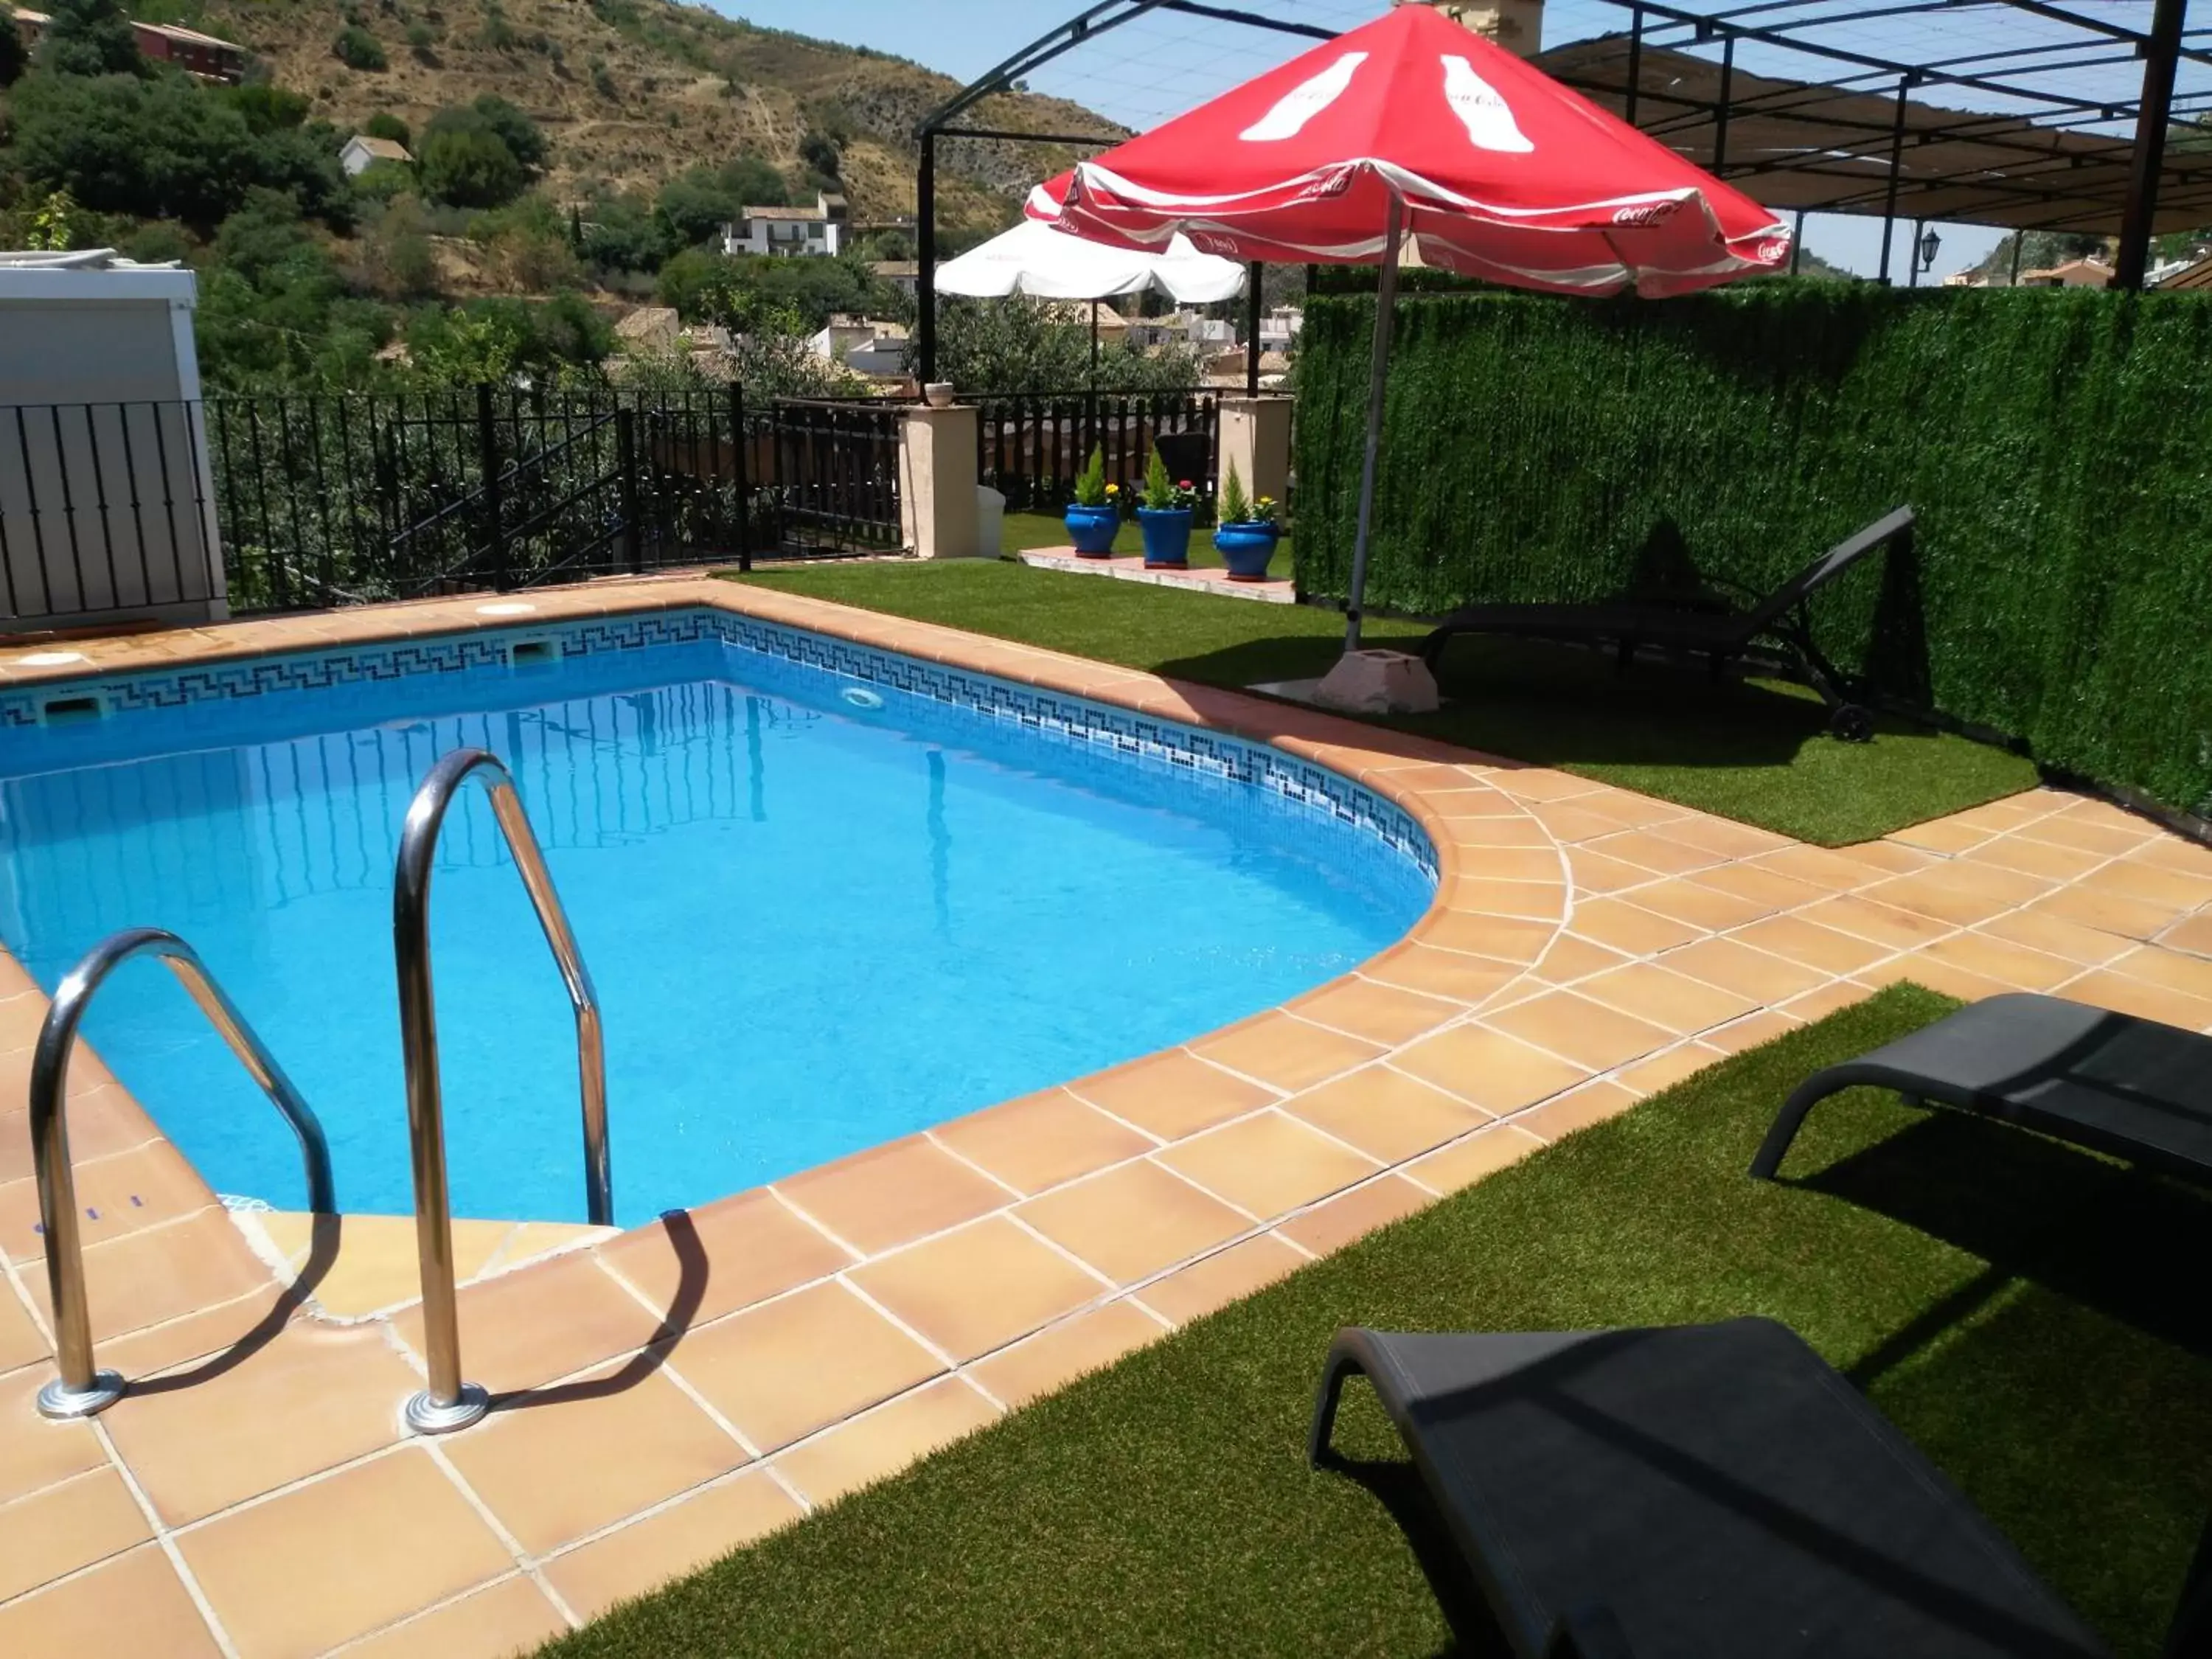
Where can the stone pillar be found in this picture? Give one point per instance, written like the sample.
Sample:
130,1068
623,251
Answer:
1256,433
937,482
1516,25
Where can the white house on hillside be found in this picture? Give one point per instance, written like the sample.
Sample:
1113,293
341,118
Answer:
362,152
800,233
862,345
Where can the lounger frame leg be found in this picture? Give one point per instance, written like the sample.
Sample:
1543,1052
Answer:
1809,1094
1342,1362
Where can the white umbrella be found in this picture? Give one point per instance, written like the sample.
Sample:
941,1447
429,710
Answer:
1035,259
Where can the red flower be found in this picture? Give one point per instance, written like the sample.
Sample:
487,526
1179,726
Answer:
1185,484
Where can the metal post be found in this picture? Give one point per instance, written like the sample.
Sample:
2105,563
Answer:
1635,63
1797,242
488,451
1386,311
450,1402
626,464
1913,254
924,230
81,1390
1253,286
1896,161
2161,54
2019,241
1720,117
743,468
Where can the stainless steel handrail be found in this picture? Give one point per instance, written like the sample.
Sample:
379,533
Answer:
450,1402
82,1390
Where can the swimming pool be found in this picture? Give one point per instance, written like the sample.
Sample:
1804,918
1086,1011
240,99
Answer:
829,896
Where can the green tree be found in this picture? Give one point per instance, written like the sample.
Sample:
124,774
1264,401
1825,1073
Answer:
265,106
1013,345
470,169
385,124
504,121
356,48
819,151
755,183
694,206
90,37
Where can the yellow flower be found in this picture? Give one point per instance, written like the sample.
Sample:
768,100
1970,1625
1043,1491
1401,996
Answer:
1113,489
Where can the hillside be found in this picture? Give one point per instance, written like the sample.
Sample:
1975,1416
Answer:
632,91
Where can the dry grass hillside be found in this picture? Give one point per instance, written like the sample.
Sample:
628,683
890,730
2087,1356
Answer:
632,92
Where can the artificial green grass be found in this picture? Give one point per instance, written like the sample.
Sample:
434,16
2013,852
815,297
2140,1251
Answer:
1755,751
2010,1303
1026,530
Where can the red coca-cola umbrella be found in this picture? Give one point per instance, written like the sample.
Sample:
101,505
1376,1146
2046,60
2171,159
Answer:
1412,124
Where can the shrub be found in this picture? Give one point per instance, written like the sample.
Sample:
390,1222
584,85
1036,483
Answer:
89,37
504,121
2052,445
1236,506
421,39
356,48
1090,483
470,169
385,124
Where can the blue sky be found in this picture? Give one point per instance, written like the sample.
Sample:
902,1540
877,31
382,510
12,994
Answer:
1163,65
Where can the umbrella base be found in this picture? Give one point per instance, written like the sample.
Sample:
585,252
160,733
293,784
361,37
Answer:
1378,682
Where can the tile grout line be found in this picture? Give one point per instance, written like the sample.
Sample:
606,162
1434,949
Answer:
509,1541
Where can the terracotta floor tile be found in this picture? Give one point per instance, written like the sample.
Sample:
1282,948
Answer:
511,1617
102,1122
1488,1069
2128,995
1625,927
1588,1033
377,1265
316,1396
1572,958
679,1540
1051,1359
784,1369
1952,982
62,1528
1863,919
1662,1071
1131,1222
1538,864
879,1445
134,1608
1041,1140
2167,851
697,1265
2014,965
1172,1094
1527,901
2063,830
1379,1014
892,1194
524,1328
576,1459
115,1196
2192,935
1749,1032
1286,1053
2034,857
2056,936
1227,1276
1958,892
1593,1102
1570,821
1385,1113
1702,908
2190,976
1466,1162
2150,884
1942,835
1807,938
979,1288
1831,869
21,1341
1724,838
162,1272
1268,1163
1674,1002
1442,972
1595,874
342,1557
1734,966
2112,912
1766,888
1655,852
1464,828
33,1452
1837,993
1331,1226
1513,940
1539,783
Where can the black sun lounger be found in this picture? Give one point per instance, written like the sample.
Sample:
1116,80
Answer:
1720,636
2110,1082
1703,1491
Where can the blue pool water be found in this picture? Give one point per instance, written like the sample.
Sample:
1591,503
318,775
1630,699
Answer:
813,925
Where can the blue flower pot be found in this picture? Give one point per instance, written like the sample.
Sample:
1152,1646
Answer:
1093,529
1246,549
1167,537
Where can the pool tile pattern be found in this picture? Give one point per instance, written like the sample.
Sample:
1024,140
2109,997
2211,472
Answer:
682,1388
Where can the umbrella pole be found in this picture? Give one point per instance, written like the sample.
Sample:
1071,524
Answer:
1386,309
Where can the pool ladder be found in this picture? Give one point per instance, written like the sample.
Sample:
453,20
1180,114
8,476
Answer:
449,1402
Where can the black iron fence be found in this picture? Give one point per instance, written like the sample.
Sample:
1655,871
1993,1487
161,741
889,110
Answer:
322,501
104,508
1030,445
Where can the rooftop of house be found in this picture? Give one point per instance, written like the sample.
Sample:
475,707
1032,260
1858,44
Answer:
804,213
649,323
383,149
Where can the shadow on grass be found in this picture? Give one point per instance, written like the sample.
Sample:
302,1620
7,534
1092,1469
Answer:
1396,1486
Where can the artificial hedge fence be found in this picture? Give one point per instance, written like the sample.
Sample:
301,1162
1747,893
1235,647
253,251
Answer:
2056,444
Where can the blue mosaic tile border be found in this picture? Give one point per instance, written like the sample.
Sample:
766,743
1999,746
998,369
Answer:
1075,719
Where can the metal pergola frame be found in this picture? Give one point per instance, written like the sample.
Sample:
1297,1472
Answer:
2048,140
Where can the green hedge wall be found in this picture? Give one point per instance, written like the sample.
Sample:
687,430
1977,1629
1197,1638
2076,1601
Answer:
2056,446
